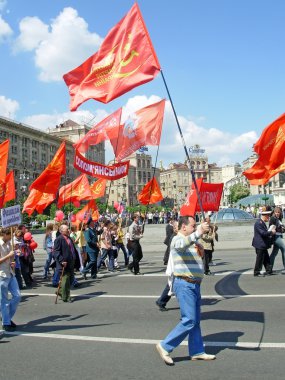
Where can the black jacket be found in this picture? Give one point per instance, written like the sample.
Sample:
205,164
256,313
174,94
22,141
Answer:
62,252
262,238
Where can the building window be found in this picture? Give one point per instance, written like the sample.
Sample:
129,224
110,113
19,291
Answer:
144,177
14,149
148,164
139,163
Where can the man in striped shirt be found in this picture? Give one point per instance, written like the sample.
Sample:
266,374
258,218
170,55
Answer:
187,269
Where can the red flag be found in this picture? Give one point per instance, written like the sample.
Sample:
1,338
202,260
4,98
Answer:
90,209
99,132
141,128
78,190
49,180
10,187
271,150
98,188
189,207
31,202
150,193
37,201
45,200
4,152
210,194
126,59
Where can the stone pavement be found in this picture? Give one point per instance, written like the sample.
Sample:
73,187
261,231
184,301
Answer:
113,325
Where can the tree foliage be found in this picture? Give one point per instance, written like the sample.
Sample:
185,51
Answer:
238,191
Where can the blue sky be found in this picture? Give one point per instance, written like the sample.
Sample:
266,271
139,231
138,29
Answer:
223,61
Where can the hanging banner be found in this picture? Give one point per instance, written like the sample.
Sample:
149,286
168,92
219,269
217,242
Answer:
97,170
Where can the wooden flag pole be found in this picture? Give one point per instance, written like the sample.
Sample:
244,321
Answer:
185,149
59,284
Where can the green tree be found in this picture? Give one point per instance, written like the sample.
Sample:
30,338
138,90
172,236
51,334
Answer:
238,191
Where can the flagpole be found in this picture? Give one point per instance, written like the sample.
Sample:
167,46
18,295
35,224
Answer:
185,148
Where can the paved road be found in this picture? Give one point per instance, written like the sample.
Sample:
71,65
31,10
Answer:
113,325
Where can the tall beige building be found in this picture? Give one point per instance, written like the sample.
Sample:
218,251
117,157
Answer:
176,179
126,189
31,150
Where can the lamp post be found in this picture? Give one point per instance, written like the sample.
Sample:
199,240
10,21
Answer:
25,176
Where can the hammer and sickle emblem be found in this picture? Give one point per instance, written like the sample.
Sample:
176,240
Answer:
97,189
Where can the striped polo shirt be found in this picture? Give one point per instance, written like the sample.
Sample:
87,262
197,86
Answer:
186,259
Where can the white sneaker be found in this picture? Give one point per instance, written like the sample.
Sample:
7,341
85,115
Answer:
164,355
203,357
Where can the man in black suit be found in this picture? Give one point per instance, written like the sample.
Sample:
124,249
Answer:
262,240
65,255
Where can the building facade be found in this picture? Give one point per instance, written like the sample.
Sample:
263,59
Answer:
126,189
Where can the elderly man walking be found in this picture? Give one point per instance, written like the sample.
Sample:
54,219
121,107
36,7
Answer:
65,254
187,272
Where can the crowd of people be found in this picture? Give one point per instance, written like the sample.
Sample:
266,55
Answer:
89,246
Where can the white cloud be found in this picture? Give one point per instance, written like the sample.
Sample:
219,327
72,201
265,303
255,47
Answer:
60,46
5,30
45,121
8,107
138,102
32,32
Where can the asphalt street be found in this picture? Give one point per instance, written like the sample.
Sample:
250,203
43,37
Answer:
111,329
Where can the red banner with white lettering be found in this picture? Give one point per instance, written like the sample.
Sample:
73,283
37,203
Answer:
97,170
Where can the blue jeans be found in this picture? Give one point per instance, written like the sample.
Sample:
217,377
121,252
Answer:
278,244
110,254
9,306
92,265
48,262
189,299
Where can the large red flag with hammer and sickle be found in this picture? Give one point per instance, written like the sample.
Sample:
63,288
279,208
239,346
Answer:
126,59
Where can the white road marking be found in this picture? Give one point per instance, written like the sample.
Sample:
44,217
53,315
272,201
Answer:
213,296
143,341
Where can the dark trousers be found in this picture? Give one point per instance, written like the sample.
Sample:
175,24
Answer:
164,298
262,258
123,248
25,270
207,259
18,276
136,249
